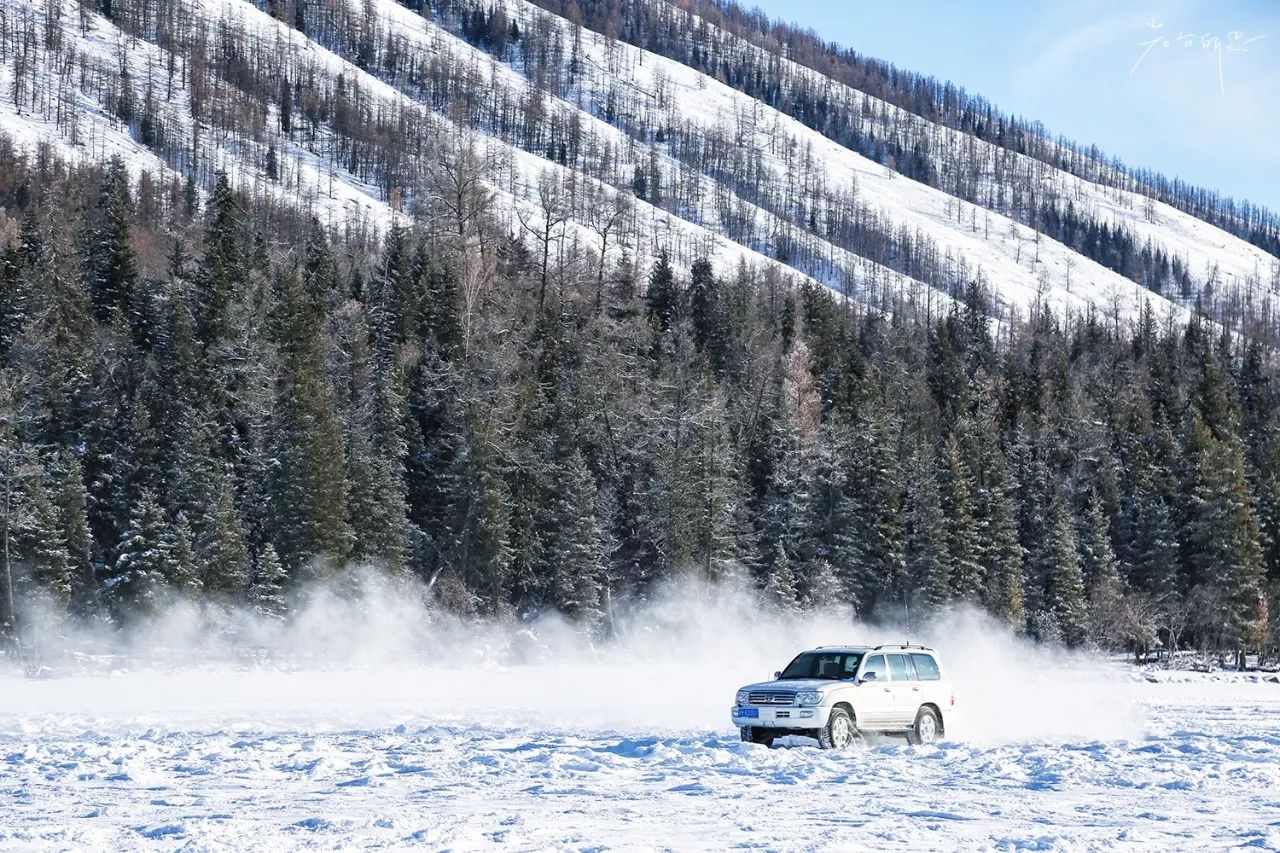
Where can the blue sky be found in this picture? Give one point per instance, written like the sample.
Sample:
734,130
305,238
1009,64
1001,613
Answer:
1071,66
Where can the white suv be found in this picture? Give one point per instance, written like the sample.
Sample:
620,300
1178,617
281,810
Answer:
833,693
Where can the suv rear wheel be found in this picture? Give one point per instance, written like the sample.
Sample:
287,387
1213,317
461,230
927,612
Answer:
927,728
839,732
754,735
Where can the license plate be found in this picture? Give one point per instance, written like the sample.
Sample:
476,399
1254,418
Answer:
749,712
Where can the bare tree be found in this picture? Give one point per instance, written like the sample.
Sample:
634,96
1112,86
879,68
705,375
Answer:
548,225
458,190
604,216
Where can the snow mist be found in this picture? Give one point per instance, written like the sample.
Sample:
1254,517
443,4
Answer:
379,653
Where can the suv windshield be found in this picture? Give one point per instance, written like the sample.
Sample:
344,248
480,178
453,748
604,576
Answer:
828,665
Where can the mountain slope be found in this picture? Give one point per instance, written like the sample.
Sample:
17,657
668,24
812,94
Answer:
685,160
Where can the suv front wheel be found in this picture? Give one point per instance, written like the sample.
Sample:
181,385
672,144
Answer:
839,732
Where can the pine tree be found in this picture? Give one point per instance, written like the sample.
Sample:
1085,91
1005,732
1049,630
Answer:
1221,537
308,492
780,589
1002,559
704,310
481,551
372,408
266,593
967,577
827,540
1097,557
224,557
1000,553
221,269
376,508
57,344
39,548
822,587
144,561
1065,593
662,298
928,564
717,524
112,265
874,506
185,578
575,552
14,299
71,498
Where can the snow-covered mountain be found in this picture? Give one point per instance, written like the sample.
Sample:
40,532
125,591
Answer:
352,109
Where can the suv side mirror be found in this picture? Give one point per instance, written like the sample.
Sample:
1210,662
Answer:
868,676
777,675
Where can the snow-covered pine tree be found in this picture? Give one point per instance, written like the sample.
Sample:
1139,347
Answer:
372,410
822,586
928,562
185,578
111,266
662,297
14,300
1098,561
480,543
1221,538
780,588
221,268
704,315
144,561
71,497
1000,552
967,576
1065,590
223,554
874,495
308,493
38,548
827,542
266,592
575,548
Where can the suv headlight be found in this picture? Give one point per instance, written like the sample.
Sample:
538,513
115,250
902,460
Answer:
742,697
809,697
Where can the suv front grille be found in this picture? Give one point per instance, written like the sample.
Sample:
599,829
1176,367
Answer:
770,698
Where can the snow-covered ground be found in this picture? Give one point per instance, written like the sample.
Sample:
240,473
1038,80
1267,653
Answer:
616,753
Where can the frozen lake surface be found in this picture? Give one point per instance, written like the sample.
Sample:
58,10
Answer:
575,757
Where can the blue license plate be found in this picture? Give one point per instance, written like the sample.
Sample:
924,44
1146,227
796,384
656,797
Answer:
749,712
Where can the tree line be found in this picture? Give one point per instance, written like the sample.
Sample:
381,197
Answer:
212,397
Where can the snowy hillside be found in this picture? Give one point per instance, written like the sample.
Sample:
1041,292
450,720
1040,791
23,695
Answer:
306,172
774,195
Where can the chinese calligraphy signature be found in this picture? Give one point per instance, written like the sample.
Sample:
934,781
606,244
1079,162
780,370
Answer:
1236,41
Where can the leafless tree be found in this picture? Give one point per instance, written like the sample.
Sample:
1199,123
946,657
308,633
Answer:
605,215
547,225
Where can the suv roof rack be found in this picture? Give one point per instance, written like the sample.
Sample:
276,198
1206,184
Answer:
877,648
901,646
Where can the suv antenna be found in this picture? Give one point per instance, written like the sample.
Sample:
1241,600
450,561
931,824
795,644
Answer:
906,609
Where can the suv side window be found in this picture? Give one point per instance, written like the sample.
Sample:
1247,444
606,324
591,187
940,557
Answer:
926,667
901,669
875,664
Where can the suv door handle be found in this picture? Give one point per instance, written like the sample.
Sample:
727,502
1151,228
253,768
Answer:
886,690
915,689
